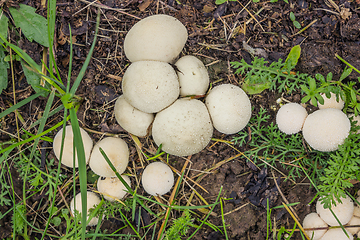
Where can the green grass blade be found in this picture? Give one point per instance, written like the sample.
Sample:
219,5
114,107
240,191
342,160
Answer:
19,104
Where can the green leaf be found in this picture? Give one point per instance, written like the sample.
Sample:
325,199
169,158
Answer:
329,77
33,25
347,71
255,88
297,24
3,70
292,16
3,25
219,2
33,79
293,57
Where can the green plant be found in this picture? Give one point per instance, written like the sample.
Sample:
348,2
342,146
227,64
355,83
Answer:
218,2
293,19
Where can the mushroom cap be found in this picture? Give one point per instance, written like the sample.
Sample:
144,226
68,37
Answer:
116,150
157,178
337,234
112,188
131,119
354,221
343,211
229,108
331,102
312,220
326,129
291,117
67,158
184,128
92,201
150,86
193,76
157,37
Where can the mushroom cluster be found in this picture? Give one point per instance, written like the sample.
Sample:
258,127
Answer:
324,129
345,212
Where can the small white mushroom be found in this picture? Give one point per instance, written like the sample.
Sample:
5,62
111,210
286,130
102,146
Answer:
157,178
131,119
193,76
184,128
67,157
112,188
343,211
157,37
331,102
326,129
291,117
312,220
116,150
150,86
229,108
337,234
92,201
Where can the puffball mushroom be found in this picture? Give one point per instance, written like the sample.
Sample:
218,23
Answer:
331,102
157,178
150,86
116,150
353,221
193,76
337,234
229,108
92,201
343,211
312,220
157,37
291,117
67,157
131,119
184,128
326,129
112,188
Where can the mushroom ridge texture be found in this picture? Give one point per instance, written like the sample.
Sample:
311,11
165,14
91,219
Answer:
290,118
184,128
67,157
157,37
150,86
157,178
326,129
229,108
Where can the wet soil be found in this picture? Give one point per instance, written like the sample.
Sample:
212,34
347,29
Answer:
216,35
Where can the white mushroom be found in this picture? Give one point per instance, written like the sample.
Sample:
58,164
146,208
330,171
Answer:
337,234
229,108
157,178
331,102
112,188
116,150
157,37
184,128
326,129
291,117
312,220
131,119
67,157
193,76
353,221
343,211
356,120
92,201
150,86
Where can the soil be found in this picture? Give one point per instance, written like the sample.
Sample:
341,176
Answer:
216,35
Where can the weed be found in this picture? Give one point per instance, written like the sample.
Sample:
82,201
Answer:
293,19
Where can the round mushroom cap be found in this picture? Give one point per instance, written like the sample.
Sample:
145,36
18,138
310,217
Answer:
337,234
312,220
193,76
326,129
229,108
112,188
184,128
92,201
150,86
157,37
343,211
331,102
353,221
157,178
131,119
291,117
67,157
116,150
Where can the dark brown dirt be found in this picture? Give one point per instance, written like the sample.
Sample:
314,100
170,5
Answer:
216,42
